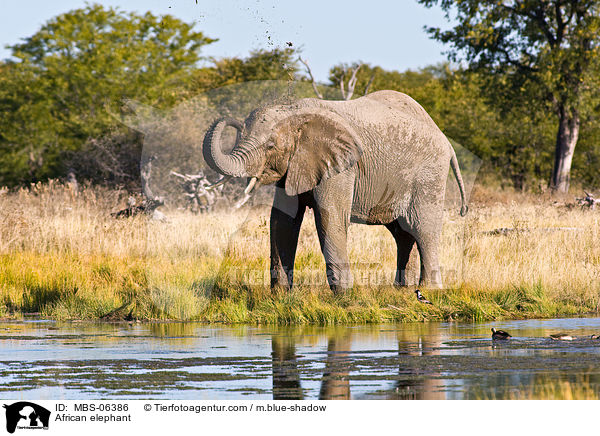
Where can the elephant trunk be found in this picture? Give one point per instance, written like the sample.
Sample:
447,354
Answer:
232,164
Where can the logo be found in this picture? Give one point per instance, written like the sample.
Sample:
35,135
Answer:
26,415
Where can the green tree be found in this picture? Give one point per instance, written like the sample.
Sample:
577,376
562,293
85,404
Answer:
276,64
541,49
65,80
380,79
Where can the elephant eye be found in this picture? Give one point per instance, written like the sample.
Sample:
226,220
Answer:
270,145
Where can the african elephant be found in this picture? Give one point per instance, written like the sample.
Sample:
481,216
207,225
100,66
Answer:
378,159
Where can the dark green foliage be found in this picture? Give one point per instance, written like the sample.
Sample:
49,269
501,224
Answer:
542,53
276,64
74,72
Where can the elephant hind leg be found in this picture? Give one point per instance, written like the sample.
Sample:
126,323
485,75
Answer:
428,213
404,242
430,267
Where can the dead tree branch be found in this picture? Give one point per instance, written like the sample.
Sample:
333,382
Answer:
351,83
369,83
200,192
312,79
588,201
346,89
145,172
150,202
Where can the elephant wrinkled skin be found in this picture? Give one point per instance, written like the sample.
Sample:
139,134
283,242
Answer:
378,159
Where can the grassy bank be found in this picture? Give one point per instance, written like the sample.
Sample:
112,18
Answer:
63,256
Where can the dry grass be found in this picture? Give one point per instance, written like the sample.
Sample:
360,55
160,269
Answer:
63,255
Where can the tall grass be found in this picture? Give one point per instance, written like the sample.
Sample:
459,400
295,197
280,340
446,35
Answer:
64,256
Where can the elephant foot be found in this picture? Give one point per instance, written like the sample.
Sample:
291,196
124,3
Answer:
431,285
339,283
400,280
431,280
337,289
281,280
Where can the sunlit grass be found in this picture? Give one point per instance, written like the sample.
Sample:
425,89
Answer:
64,256
561,391
547,388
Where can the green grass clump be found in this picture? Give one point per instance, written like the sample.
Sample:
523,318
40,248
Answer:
80,287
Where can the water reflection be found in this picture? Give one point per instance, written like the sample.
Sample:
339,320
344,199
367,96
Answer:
411,385
196,361
336,384
286,376
174,330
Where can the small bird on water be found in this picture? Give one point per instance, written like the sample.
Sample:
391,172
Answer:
561,337
500,335
421,298
595,337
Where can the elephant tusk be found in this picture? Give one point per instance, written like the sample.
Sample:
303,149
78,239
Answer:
242,201
250,186
218,183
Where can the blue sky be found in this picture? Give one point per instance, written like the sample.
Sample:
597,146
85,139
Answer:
385,33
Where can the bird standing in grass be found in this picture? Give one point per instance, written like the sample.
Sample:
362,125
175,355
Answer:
500,335
421,298
561,337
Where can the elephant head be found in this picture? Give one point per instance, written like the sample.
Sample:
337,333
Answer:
305,144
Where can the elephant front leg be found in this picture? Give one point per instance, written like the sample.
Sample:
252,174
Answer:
333,239
333,203
286,219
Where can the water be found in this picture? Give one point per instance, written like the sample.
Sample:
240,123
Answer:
49,360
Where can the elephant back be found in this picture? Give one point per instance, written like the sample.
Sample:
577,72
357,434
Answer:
402,105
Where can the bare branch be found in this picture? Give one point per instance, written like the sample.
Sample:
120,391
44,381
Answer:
346,95
352,83
312,79
343,78
200,193
588,201
145,173
369,84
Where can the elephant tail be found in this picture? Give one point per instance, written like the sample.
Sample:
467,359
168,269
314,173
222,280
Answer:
456,170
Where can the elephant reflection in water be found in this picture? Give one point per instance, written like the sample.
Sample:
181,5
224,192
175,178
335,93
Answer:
335,384
425,341
286,376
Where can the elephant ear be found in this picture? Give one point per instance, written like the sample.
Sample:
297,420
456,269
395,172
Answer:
324,146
